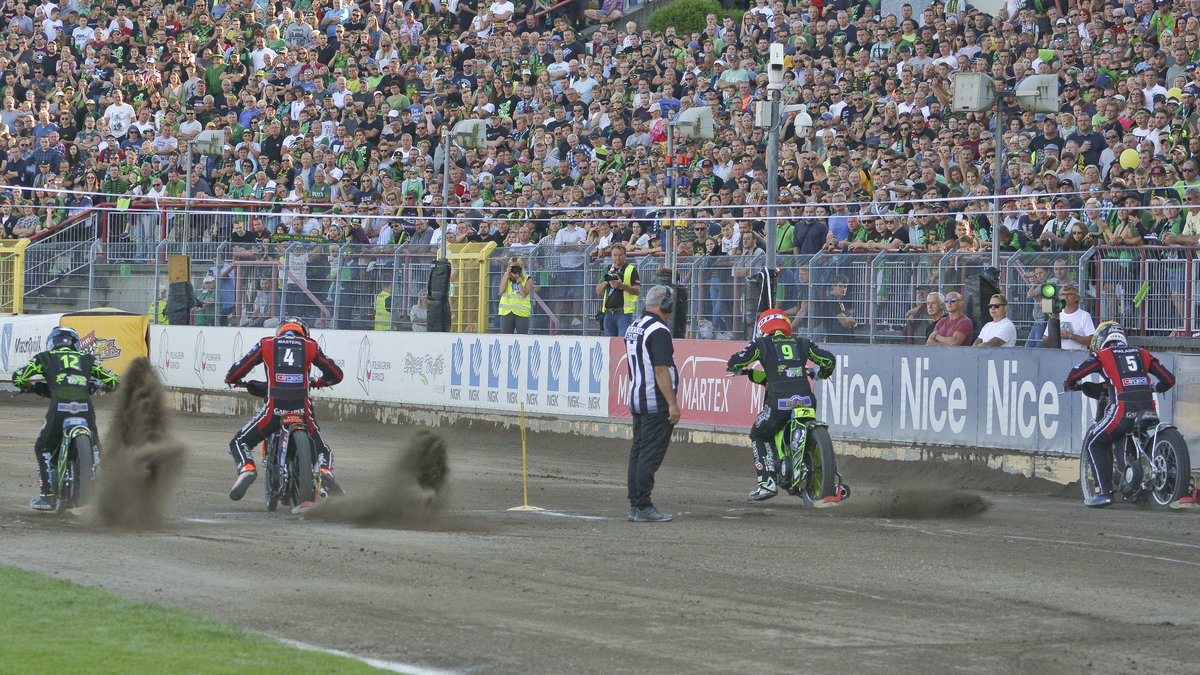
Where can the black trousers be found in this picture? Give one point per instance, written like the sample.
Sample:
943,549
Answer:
651,436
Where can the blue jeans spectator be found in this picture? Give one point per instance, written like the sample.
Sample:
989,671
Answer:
616,321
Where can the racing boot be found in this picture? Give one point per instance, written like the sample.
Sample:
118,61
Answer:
1098,500
329,485
839,493
43,502
764,491
245,478
1189,498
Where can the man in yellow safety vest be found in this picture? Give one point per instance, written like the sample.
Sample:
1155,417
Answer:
383,309
515,306
619,288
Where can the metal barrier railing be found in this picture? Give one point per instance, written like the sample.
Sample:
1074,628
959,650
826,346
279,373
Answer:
1153,291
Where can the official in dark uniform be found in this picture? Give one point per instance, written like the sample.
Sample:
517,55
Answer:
653,381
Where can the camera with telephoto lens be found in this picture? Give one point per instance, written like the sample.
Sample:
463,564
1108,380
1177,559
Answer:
514,269
612,276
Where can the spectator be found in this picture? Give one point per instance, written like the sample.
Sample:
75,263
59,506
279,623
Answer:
922,318
610,11
836,315
956,328
1000,331
1075,324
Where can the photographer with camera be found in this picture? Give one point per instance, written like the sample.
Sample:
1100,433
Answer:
515,306
619,288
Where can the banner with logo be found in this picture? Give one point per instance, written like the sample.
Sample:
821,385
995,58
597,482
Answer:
986,398
113,336
20,338
707,396
547,375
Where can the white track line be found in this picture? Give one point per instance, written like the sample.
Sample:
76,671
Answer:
1152,541
1083,546
391,666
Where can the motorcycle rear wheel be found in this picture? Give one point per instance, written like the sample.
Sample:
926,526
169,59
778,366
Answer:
1172,469
83,450
822,465
301,468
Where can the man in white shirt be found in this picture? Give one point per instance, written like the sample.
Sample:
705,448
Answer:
1000,331
1075,323
119,115
572,239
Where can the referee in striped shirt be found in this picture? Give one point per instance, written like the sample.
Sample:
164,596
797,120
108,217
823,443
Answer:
652,384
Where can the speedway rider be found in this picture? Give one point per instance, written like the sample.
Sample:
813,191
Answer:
287,357
784,360
67,373
1126,371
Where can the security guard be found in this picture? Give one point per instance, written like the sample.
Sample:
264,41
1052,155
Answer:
620,288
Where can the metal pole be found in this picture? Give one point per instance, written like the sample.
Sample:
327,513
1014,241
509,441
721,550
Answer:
448,152
673,169
997,184
772,177
187,200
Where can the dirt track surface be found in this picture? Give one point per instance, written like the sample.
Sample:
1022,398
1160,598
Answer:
1036,583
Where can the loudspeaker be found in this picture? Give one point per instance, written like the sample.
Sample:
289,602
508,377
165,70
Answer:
977,293
678,301
438,316
762,287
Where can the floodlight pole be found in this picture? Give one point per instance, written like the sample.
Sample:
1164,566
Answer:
776,94
447,154
997,186
187,199
673,169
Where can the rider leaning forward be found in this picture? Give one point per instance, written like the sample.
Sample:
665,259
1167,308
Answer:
784,360
1126,371
68,373
288,356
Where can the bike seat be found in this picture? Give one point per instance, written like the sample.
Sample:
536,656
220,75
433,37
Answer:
1146,419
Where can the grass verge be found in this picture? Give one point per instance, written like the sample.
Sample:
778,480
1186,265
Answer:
52,626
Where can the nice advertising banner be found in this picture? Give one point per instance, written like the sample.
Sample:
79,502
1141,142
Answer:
1004,399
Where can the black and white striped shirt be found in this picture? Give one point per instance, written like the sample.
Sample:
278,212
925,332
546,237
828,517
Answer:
648,344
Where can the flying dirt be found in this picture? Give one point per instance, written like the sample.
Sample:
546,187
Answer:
141,459
412,493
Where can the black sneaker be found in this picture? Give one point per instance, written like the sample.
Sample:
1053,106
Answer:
246,475
650,514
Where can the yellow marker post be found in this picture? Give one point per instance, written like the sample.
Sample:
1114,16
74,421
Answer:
524,471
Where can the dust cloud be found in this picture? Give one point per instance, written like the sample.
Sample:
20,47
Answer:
918,503
141,460
411,494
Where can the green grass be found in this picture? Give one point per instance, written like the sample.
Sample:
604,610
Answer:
51,626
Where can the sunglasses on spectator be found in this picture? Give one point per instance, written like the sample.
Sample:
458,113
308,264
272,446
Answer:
949,300
993,306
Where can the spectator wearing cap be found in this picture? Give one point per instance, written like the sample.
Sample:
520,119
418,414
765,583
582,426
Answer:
1054,234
